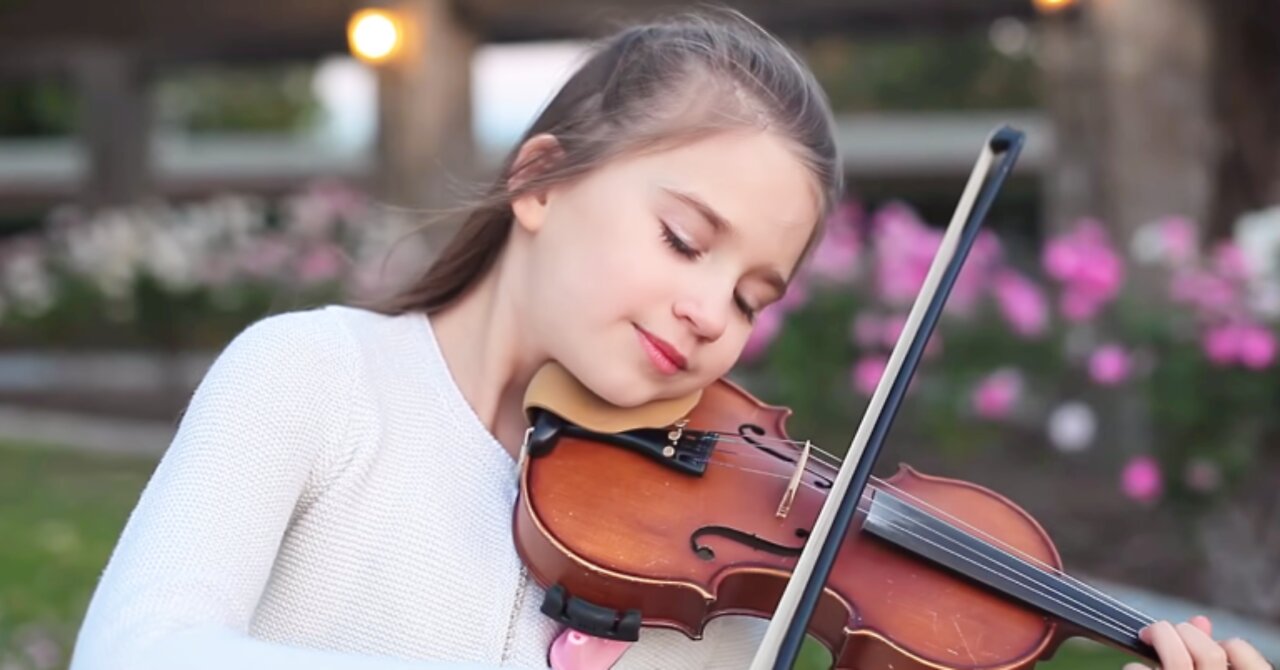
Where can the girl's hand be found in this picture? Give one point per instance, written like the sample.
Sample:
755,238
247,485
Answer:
1189,646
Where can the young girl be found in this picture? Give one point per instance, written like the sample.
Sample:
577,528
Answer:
339,493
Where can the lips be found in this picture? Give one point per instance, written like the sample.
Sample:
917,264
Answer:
665,356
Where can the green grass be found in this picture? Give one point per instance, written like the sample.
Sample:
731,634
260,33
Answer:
1075,654
61,513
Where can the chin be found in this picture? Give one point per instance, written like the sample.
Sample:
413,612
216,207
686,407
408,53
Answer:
617,386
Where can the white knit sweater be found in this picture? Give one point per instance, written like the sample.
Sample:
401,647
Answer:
331,501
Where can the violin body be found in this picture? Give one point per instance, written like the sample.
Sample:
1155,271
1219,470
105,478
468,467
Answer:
624,537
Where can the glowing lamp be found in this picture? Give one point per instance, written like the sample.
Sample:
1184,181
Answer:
374,35
1052,6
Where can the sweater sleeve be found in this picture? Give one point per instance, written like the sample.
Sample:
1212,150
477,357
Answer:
184,579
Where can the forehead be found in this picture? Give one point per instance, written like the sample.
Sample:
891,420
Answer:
753,179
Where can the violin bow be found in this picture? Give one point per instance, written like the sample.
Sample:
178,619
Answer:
786,631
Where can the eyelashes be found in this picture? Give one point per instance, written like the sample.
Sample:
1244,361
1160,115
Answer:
684,249
678,244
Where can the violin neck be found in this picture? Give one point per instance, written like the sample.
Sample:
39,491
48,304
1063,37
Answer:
1044,588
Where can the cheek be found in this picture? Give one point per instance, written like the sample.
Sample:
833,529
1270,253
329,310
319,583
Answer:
593,265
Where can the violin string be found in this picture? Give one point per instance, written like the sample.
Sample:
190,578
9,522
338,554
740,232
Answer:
1009,550
1017,553
1065,599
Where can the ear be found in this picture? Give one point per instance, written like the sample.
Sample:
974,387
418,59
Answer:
536,156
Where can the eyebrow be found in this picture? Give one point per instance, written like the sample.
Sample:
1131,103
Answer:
721,224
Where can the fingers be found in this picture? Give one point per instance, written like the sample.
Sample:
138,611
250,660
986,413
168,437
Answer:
1168,645
1243,656
1190,646
1205,653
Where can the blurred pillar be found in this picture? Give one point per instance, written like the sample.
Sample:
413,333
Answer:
426,154
1128,91
1072,90
114,124
1159,153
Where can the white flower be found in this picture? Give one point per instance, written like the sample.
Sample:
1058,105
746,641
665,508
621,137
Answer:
1072,426
1257,234
28,283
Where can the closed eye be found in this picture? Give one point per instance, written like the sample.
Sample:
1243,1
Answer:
683,248
679,245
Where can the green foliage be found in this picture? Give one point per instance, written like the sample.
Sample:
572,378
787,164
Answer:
257,99
37,108
922,72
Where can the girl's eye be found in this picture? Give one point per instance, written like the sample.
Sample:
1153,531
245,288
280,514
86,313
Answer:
680,246
747,310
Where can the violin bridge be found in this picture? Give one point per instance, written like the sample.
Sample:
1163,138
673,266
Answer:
789,495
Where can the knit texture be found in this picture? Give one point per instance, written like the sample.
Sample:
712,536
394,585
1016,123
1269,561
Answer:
330,500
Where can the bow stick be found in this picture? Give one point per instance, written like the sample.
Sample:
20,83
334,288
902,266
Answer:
787,628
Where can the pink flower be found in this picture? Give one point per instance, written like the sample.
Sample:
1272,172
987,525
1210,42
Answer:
904,247
323,262
975,275
996,394
1178,239
867,372
797,295
1109,365
1140,480
1079,305
1089,269
765,329
1021,303
835,259
1257,347
1250,344
1229,262
1211,295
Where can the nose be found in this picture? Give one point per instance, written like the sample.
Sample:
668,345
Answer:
707,321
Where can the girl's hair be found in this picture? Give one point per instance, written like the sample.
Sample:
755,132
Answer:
647,88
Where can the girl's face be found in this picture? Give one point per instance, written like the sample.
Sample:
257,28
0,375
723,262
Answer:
643,276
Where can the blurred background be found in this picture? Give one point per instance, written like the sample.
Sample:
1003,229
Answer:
173,171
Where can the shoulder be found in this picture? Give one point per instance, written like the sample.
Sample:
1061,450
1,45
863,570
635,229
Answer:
329,334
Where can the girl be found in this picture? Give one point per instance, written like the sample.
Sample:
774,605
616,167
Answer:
339,492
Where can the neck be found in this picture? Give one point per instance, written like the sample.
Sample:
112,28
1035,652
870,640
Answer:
492,365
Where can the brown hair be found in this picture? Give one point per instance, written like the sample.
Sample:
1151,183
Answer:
647,88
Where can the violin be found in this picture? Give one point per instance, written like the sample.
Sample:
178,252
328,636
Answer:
682,510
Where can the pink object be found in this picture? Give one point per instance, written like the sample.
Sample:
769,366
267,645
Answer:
835,259
995,396
1178,235
1090,271
574,650
1141,479
867,372
1249,344
1110,365
1021,302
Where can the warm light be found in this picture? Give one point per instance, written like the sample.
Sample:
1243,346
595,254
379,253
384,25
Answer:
374,35
1050,6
